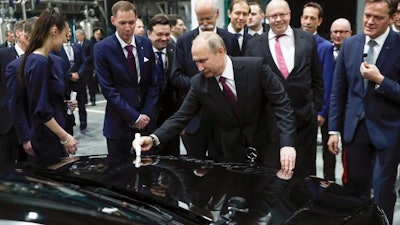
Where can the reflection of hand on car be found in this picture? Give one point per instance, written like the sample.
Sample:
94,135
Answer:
288,158
147,161
284,174
27,145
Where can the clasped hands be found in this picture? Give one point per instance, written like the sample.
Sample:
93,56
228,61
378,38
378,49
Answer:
141,122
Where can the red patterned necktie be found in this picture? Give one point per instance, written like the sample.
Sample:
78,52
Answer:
131,61
230,96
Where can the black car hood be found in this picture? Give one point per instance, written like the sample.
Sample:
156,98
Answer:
189,191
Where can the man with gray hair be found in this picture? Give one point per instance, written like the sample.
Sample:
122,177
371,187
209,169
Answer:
196,135
14,135
233,91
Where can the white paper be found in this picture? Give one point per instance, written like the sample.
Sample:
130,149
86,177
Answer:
72,97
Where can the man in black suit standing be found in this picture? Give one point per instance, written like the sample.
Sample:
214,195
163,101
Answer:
177,27
86,46
74,56
292,55
13,144
159,32
233,90
238,12
255,23
196,135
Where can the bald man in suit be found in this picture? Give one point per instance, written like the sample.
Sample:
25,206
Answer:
299,71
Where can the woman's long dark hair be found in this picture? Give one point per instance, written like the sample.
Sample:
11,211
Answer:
47,19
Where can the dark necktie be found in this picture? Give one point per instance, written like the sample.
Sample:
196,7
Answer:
131,62
160,71
335,52
229,96
238,35
279,57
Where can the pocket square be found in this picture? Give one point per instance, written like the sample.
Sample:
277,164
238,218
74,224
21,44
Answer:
145,59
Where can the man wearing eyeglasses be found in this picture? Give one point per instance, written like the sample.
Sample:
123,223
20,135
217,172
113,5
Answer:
340,30
292,55
196,135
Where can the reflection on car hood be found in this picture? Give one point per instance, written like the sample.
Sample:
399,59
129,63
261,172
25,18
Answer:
176,190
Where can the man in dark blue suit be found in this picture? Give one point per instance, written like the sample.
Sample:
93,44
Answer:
159,32
74,57
365,105
196,137
310,20
87,50
12,146
125,65
298,68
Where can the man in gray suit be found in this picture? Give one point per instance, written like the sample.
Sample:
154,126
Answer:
234,91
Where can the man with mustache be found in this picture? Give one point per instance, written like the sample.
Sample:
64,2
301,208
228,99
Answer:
196,135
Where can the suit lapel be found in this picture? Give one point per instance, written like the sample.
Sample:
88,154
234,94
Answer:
120,57
170,58
360,49
140,52
268,54
241,86
298,50
386,49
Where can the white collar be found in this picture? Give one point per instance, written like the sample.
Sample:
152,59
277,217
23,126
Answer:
379,40
123,44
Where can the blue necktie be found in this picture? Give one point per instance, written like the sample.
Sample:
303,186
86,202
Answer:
160,71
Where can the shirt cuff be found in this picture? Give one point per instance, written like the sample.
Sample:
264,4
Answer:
334,132
154,138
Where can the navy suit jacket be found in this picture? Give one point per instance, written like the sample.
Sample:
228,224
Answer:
255,85
325,53
169,94
304,84
381,104
6,56
18,100
126,99
184,67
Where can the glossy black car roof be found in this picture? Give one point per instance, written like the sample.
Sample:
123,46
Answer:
174,190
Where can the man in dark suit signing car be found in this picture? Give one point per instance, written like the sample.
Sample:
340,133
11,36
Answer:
233,90
197,136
